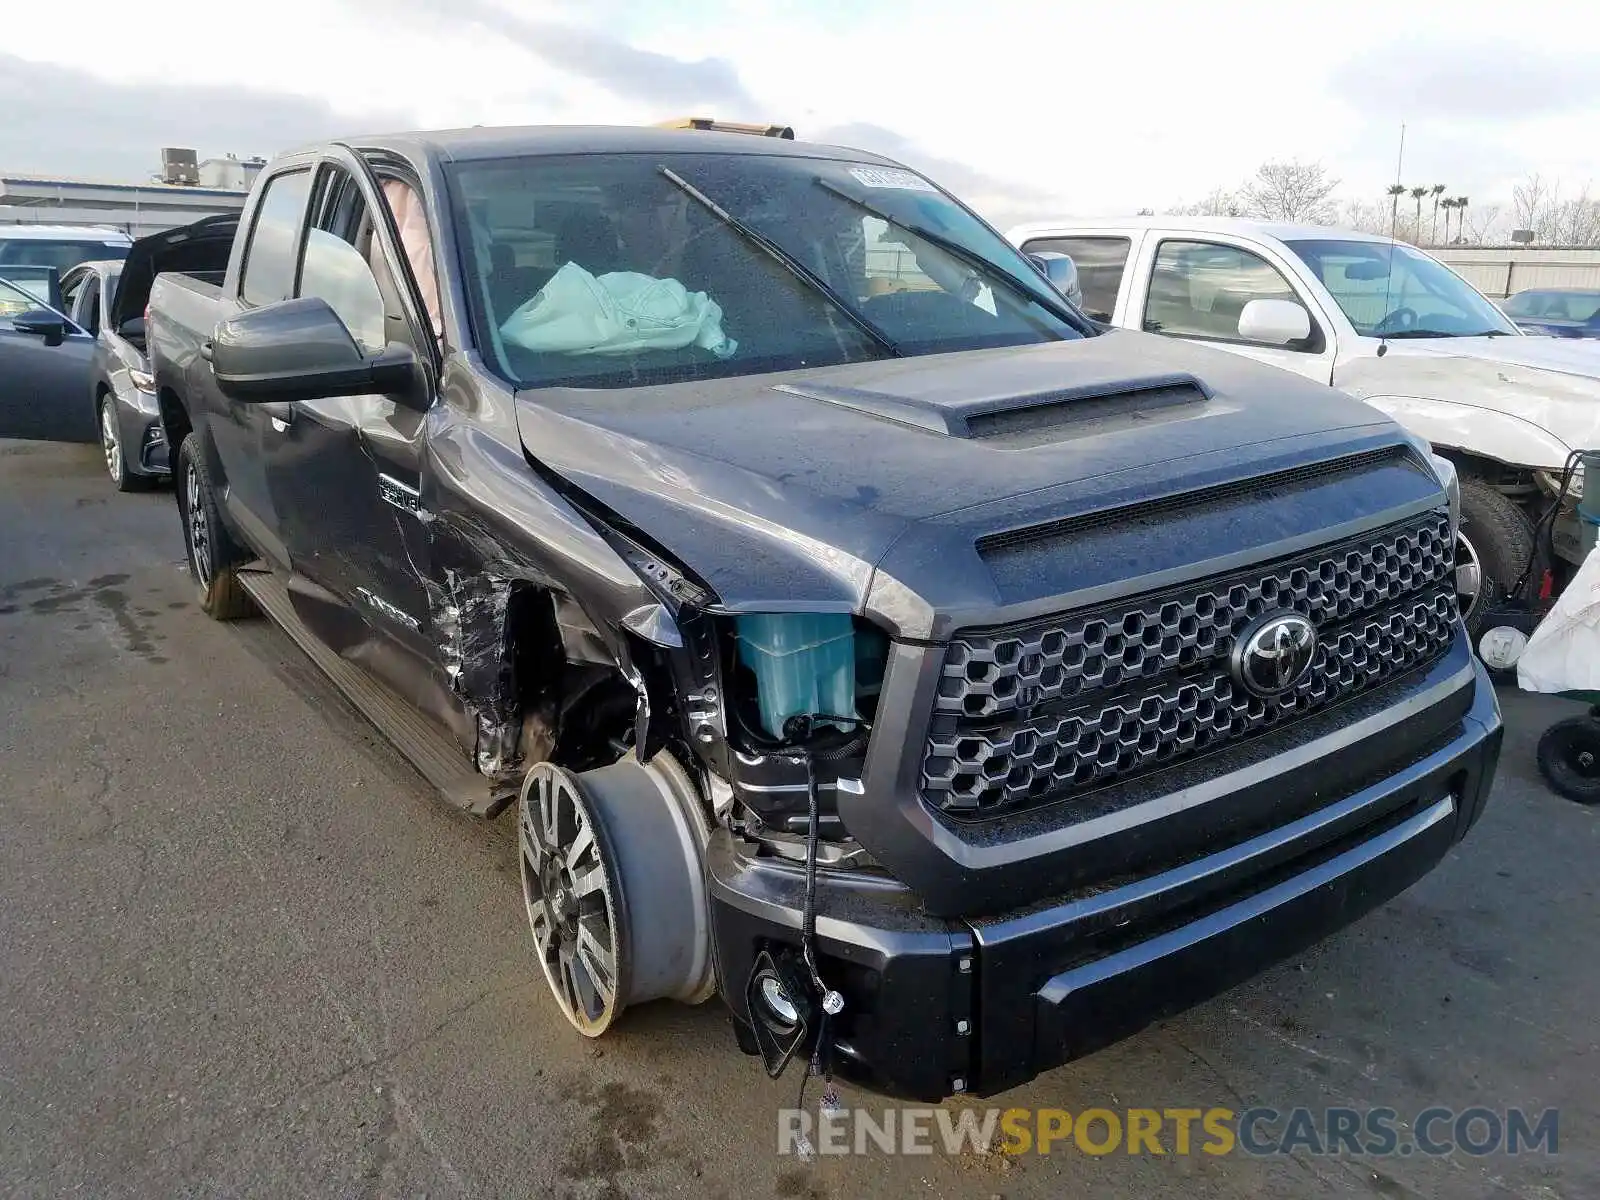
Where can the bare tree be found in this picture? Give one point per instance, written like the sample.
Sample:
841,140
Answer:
1290,191
1538,206
1364,215
1487,223
1531,201
1220,203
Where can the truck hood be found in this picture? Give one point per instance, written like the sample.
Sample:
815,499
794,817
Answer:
786,492
1550,384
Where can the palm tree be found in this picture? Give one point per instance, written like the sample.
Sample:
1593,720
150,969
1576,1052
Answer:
1417,194
1438,190
1449,206
1461,215
1396,190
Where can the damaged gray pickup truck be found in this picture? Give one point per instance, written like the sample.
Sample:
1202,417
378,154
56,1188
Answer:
952,685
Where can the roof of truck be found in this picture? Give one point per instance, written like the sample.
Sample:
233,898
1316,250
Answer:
480,142
1283,231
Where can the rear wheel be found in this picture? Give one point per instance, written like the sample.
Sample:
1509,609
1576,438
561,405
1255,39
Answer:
1493,548
1569,759
214,557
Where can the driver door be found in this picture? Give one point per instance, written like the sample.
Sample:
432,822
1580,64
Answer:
44,380
344,472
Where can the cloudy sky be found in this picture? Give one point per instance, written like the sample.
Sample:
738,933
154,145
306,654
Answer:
1026,108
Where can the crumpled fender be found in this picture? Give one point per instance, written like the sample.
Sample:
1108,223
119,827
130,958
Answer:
1503,437
1517,414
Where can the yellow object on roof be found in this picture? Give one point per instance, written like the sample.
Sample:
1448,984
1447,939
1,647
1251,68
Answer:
777,131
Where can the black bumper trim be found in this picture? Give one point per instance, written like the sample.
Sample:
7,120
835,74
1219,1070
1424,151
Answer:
1060,980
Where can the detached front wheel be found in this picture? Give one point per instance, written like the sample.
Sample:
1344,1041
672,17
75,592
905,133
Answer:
214,557
613,878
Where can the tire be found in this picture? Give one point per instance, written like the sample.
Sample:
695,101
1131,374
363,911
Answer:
1497,538
111,444
214,557
1569,759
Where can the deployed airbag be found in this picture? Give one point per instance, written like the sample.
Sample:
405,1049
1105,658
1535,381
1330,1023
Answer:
1563,655
616,313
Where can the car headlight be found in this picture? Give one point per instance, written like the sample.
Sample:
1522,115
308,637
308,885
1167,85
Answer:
1446,471
1550,481
142,380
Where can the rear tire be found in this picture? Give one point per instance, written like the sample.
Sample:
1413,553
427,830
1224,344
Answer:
214,557
1569,759
1493,549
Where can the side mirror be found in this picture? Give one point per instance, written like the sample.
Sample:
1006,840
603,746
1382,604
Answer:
1274,322
41,322
300,350
1062,272
132,329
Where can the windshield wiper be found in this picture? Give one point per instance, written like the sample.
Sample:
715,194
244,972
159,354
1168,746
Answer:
984,266
792,264
1441,333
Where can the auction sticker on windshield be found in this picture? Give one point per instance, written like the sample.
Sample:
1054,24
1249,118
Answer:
884,177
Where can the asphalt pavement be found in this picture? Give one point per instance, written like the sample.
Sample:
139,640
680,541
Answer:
244,951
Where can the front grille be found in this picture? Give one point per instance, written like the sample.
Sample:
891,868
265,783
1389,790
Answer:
1037,714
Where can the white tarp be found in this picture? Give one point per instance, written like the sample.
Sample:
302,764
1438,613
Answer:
616,313
1563,655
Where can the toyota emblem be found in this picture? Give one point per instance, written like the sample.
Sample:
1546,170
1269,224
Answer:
1273,654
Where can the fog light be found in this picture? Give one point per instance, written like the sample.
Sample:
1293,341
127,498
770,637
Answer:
780,1009
777,1000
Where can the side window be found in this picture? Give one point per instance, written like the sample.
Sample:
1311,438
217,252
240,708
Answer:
1100,261
270,257
87,313
339,258
71,293
1199,289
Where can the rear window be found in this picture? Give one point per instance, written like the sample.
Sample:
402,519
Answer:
62,254
1099,260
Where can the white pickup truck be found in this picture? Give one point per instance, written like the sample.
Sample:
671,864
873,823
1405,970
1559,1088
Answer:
1421,344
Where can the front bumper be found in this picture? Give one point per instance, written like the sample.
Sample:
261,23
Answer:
935,1006
143,438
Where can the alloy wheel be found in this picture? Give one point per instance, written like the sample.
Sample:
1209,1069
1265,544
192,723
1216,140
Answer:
110,442
569,889
1469,579
199,528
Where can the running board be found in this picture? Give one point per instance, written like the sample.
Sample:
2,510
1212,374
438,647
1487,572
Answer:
422,742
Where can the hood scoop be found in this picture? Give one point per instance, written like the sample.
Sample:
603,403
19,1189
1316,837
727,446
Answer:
1020,421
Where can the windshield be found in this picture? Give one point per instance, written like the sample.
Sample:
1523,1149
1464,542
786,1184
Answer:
1420,298
60,253
1554,305
617,270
